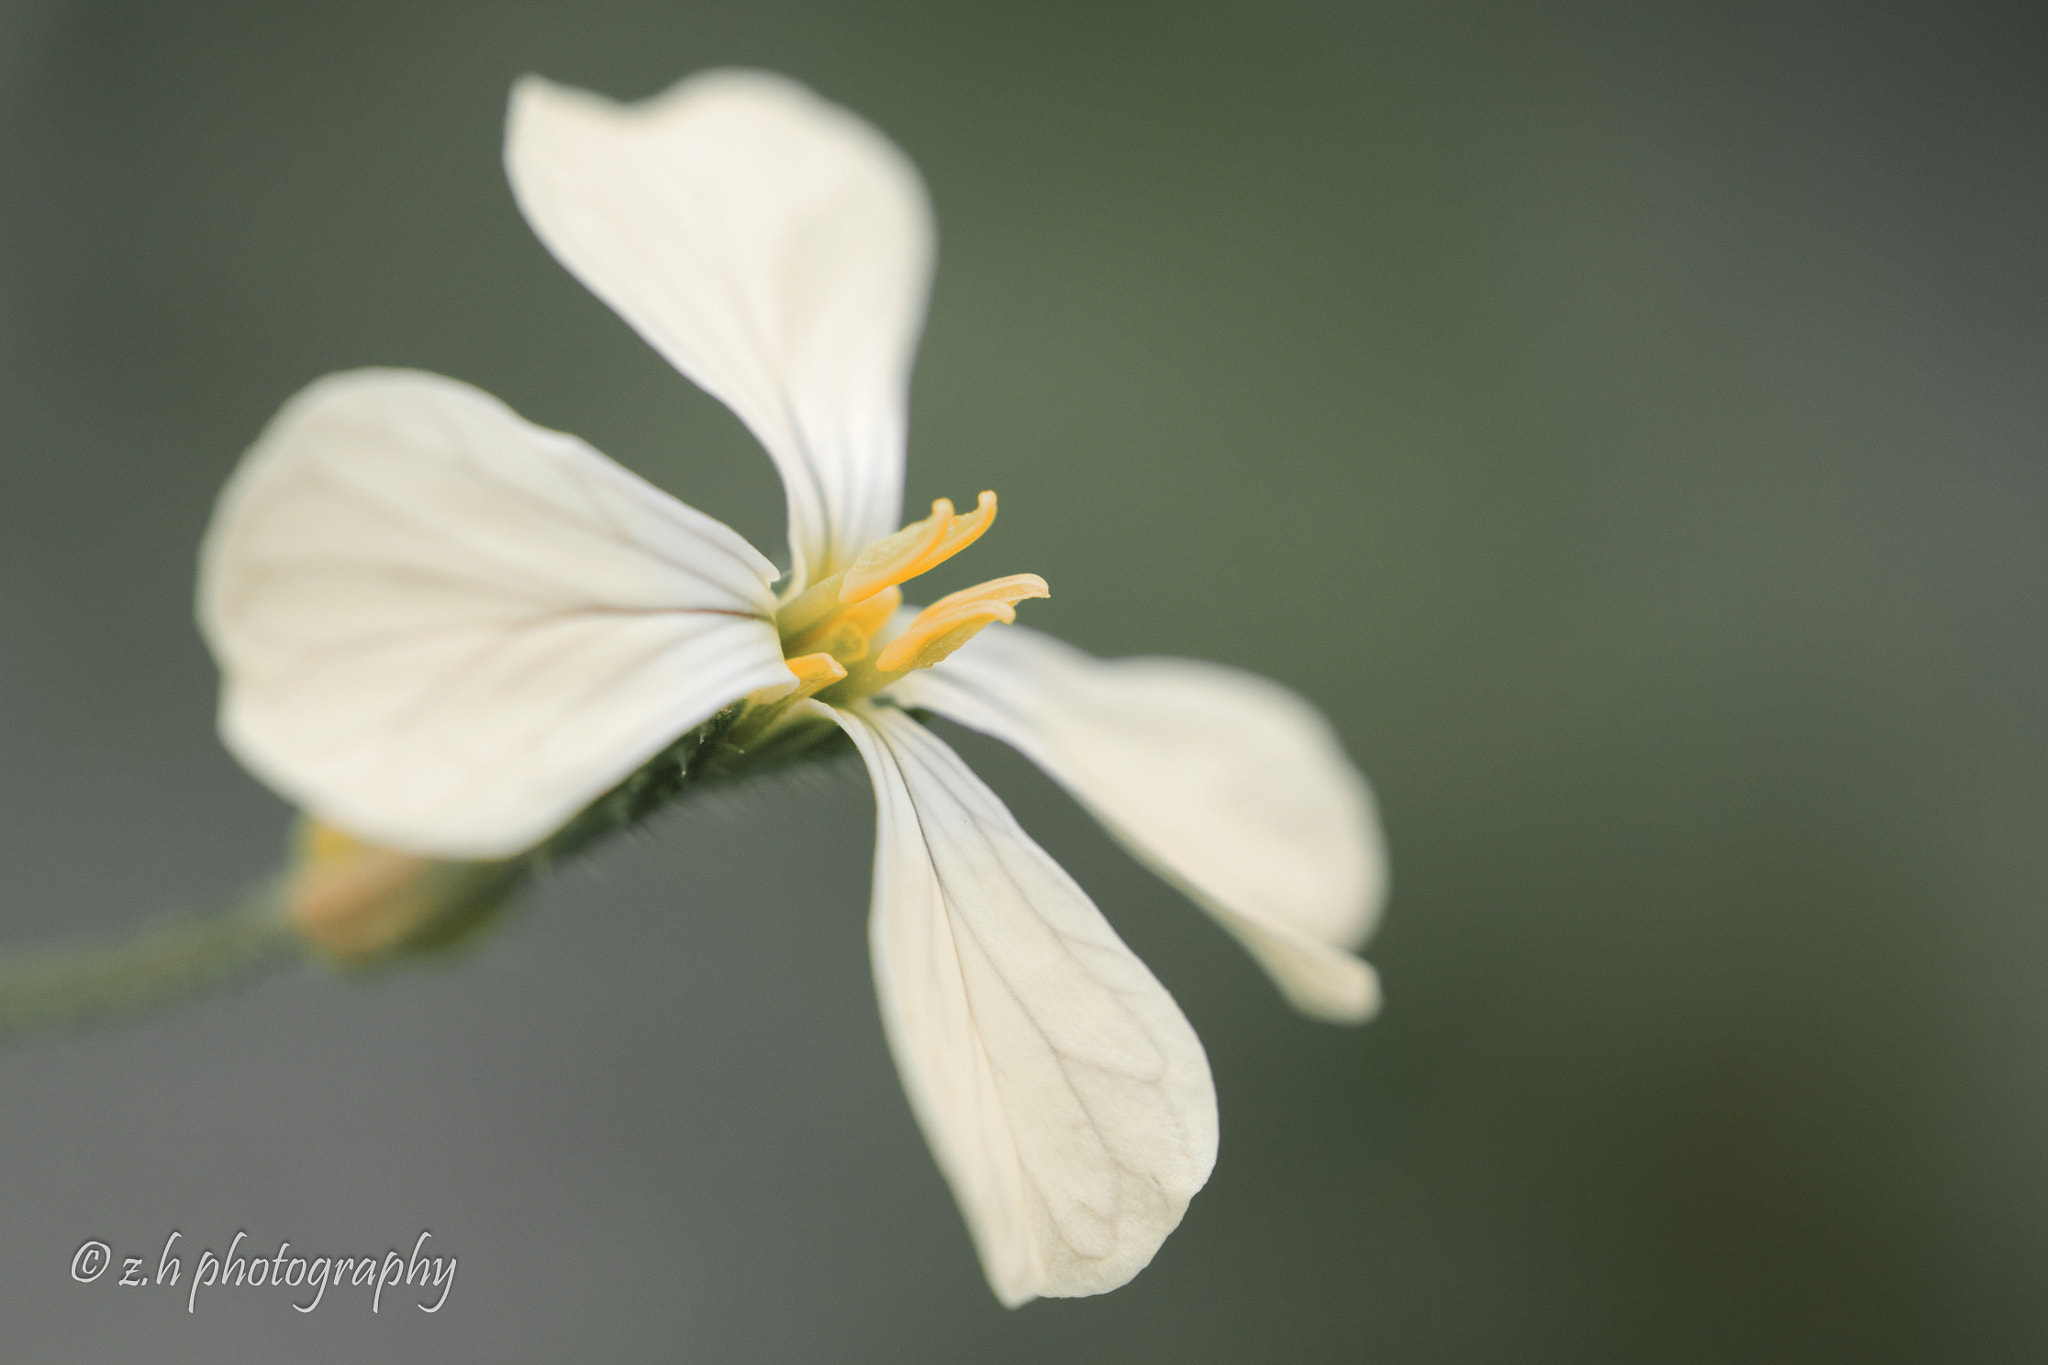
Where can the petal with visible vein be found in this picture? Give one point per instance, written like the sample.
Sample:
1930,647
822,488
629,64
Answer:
446,630
1226,784
774,247
1065,1097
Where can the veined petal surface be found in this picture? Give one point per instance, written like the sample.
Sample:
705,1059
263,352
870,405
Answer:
1226,784
774,247
1065,1097
446,630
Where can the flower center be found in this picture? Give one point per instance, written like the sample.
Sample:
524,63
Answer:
836,634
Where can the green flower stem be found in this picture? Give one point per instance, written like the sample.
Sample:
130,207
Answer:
447,905
165,960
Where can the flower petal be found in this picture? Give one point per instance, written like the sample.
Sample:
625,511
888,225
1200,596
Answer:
1067,1100
1228,785
446,630
774,247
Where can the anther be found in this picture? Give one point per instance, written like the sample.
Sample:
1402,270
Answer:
917,548
952,621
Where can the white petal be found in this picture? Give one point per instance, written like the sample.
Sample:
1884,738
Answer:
774,247
446,630
1067,1100
1228,785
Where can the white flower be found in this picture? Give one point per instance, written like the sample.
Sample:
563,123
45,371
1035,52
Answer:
446,631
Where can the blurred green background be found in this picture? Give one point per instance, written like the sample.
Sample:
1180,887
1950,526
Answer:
1625,420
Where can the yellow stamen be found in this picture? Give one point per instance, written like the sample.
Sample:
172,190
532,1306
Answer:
845,636
839,619
917,548
894,559
814,673
809,607
878,564
952,621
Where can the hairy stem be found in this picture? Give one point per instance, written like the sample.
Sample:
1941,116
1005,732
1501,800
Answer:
162,961
438,904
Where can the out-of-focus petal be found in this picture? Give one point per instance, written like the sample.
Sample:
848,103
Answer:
1228,785
446,630
1067,1100
774,247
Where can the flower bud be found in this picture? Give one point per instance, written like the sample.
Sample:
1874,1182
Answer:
358,903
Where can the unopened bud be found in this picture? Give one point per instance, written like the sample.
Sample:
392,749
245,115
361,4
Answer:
358,903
